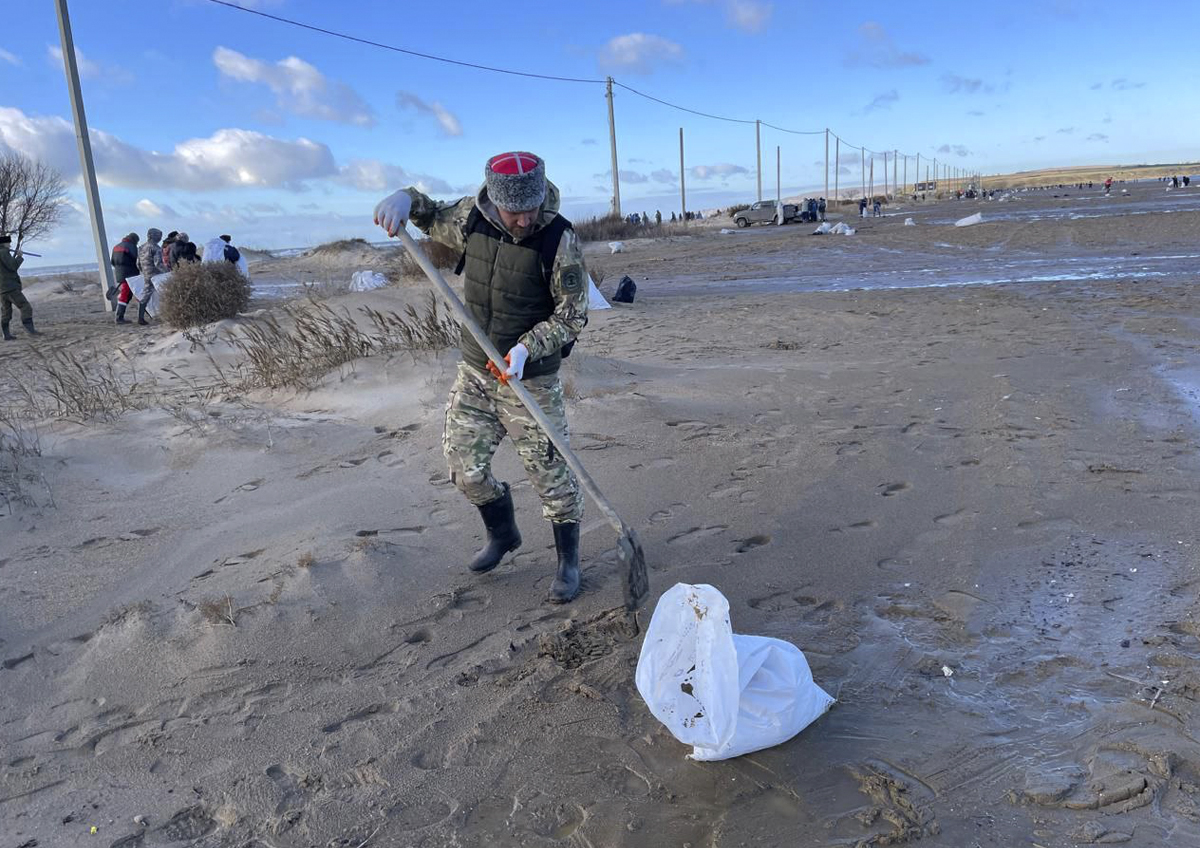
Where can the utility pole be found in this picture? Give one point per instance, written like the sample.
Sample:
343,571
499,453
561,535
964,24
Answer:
905,173
935,174
895,185
827,164
885,182
758,153
917,173
612,138
778,187
107,281
837,165
862,170
682,189
871,182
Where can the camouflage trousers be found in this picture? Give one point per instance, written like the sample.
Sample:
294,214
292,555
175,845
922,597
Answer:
481,410
8,300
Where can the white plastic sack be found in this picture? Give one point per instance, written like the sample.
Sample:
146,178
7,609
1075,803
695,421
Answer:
214,251
723,694
841,228
616,246
977,218
138,286
726,231
909,222
595,299
362,281
823,229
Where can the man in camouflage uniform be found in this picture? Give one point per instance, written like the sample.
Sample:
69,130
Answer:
150,264
10,290
525,285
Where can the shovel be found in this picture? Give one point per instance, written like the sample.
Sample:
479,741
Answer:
629,549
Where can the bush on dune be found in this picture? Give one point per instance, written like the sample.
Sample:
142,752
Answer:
202,292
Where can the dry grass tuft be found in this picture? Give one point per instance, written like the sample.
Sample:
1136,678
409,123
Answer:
202,292
340,245
79,389
320,339
612,227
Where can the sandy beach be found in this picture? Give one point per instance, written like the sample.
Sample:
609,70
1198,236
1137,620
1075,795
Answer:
956,466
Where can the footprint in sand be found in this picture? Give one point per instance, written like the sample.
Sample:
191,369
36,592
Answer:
696,533
857,526
753,542
849,448
782,602
889,489
352,463
951,518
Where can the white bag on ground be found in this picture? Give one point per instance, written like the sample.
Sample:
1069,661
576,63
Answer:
823,229
595,298
362,281
616,246
909,222
977,218
841,228
724,694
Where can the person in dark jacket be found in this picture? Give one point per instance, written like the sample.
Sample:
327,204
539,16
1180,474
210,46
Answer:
167,246
124,262
183,251
10,290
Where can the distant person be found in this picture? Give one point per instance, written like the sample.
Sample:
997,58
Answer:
221,249
673,218
125,265
876,208
821,208
1186,181
1108,185
10,290
1175,182
167,245
180,252
862,207
150,265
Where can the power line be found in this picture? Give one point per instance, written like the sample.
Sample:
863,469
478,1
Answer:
682,108
794,132
395,49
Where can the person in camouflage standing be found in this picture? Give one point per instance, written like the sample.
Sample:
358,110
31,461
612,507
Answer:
525,284
150,264
10,290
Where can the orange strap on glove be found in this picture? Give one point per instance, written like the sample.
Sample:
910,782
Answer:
515,358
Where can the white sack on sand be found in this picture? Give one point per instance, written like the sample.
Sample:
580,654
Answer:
909,222
362,281
616,246
595,299
841,228
823,229
723,694
977,218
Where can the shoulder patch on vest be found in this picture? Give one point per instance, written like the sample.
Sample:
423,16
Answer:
572,280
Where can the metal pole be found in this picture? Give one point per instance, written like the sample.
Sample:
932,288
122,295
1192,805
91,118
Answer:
107,281
935,173
682,189
906,173
862,170
778,186
827,164
895,185
871,182
885,182
612,137
758,153
837,166
917,174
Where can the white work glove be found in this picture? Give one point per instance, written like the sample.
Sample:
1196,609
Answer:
392,212
515,358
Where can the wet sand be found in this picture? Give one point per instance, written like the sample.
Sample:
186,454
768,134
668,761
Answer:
995,479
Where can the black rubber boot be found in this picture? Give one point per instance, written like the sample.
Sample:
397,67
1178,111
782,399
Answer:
503,535
28,325
566,582
8,337
121,314
142,314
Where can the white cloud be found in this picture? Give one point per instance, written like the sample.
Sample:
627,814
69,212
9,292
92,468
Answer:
723,170
12,58
638,53
373,175
147,208
749,15
877,50
626,176
882,101
226,159
87,68
446,120
956,149
299,87
663,175
1097,137
957,84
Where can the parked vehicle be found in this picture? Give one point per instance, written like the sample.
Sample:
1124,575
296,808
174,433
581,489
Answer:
764,212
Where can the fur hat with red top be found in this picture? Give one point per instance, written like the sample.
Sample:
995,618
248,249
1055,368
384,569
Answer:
516,182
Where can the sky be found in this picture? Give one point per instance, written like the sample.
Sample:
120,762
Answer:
212,120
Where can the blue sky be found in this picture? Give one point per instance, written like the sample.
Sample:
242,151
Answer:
212,120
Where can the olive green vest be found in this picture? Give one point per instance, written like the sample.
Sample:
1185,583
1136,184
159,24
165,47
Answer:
507,291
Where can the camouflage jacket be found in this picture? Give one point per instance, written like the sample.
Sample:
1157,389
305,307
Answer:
10,280
446,223
150,261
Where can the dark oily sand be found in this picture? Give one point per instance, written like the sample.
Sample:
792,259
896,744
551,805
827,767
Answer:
973,508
